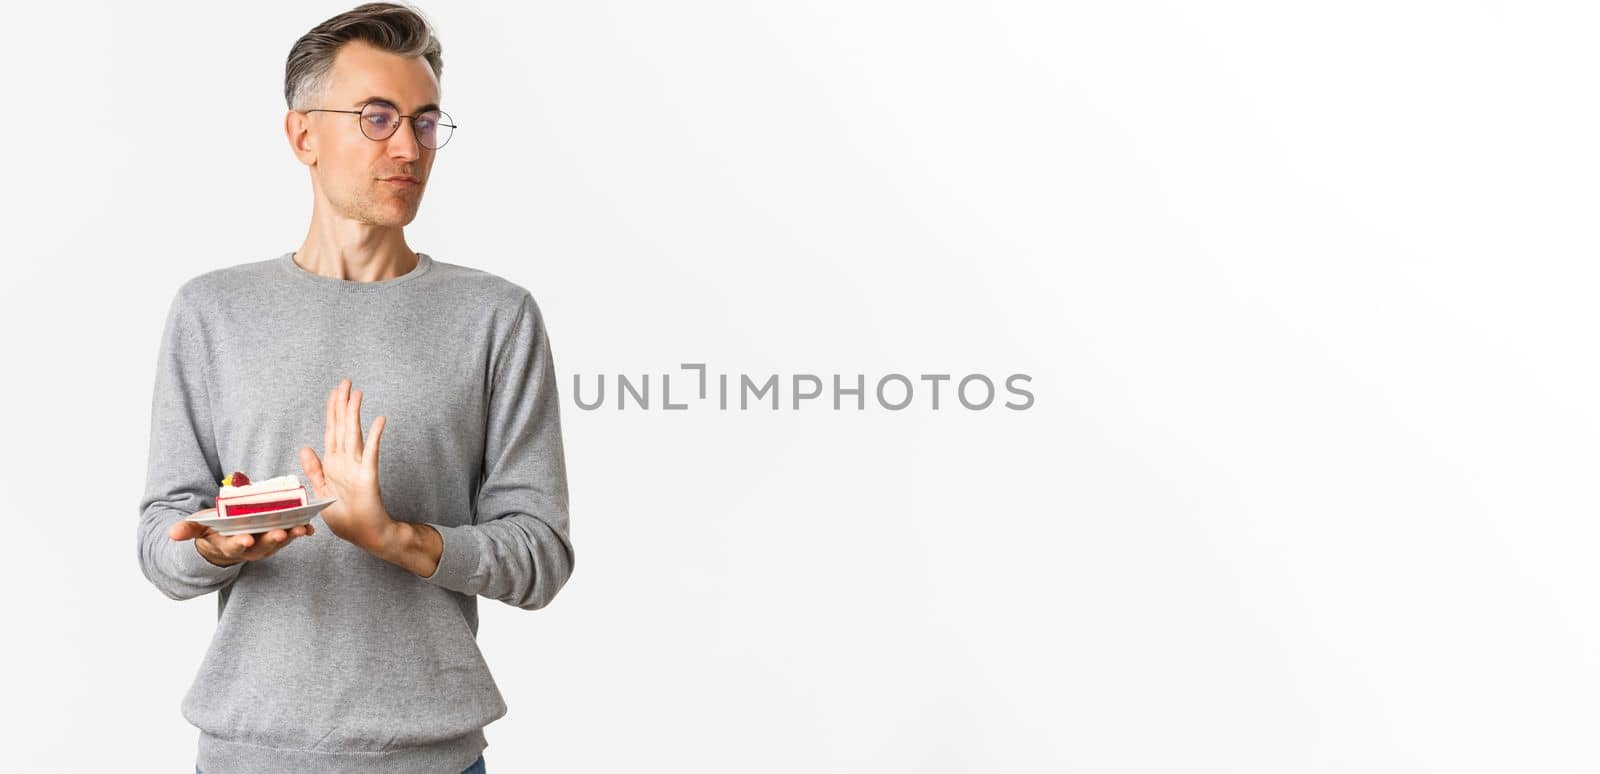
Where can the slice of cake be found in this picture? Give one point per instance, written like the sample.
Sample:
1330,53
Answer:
240,497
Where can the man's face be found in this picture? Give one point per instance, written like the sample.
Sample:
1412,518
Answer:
352,170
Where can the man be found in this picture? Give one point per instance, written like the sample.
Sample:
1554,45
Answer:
353,648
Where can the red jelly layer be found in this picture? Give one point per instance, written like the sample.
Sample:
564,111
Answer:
249,508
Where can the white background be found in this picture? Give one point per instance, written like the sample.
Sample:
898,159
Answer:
1306,292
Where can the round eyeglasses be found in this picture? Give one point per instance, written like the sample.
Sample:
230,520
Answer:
379,120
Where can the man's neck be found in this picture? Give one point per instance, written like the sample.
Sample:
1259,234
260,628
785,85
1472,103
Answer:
357,252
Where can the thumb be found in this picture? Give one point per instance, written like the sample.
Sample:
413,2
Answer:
313,468
185,530
370,454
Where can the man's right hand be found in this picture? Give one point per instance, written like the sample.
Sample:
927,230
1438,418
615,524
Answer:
226,550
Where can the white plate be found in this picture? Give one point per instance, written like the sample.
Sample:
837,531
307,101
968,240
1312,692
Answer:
263,521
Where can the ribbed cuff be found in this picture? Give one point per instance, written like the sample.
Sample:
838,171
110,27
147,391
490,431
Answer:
458,562
190,567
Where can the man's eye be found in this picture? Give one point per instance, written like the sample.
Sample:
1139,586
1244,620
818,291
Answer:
378,120
425,124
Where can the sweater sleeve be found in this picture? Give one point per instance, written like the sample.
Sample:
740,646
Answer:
517,550
183,471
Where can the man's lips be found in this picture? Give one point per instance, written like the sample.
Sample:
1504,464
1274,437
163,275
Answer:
402,180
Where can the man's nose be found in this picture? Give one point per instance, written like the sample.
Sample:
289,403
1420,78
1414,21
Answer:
403,143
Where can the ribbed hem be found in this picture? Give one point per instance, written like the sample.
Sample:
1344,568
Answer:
458,561
224,756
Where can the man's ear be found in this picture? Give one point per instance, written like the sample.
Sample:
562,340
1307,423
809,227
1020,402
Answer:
297,127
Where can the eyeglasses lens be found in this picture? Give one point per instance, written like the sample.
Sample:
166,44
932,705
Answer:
432,128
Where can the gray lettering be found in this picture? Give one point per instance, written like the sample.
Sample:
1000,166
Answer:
934,379
860,392
702,368
961,391
902,380
577,393
1018,391
643,398
666,395
770,385
798,395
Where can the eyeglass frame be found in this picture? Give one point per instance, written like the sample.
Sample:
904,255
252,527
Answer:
363,109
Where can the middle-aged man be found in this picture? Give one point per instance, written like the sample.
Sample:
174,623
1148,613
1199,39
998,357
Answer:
354,649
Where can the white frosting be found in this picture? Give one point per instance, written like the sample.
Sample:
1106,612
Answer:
270,485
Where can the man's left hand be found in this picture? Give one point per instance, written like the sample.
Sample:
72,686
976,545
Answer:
348,470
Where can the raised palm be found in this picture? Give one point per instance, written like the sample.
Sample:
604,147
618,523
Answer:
348,470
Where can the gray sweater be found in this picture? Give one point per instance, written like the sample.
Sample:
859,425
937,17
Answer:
326,658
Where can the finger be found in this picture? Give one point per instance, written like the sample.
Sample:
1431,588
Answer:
233,546
185,530
266,543
341,412
273,546
352,420
328,437
370,453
